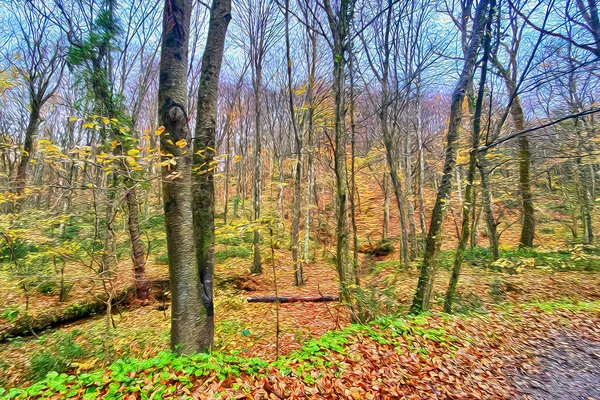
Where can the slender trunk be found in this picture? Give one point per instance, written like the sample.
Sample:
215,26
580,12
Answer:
203,186
386,207
295,232
30,133
412,229
138,254
226,185
486,203
309,142
353,192
469,193
476,213
432,244
257,178
421,170
187,307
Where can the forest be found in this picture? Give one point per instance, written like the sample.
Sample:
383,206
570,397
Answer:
299,199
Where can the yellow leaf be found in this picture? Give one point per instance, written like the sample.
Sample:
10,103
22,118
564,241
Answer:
105,120
72,119
133,152
131,161
181,143
88,125
159,130
237,158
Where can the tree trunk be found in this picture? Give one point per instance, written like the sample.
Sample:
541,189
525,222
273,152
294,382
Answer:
432,244
138,254
486,203
469,193
203,186
412,229
30,133
386,207
339,23
421,170
295,231
257,178
188,315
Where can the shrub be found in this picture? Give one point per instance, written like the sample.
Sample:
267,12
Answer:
163,259
47,287
56,357
241,252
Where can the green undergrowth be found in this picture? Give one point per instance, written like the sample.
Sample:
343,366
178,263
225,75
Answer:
166,373
575,258
162,374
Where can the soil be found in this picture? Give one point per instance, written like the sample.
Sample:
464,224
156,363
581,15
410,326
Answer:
565,369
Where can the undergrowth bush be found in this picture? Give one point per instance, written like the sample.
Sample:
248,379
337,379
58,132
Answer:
231,252
56,357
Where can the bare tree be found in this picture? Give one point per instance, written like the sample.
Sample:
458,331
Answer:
433,241
203,189
40,61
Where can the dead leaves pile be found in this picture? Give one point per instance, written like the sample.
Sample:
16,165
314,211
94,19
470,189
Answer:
437,357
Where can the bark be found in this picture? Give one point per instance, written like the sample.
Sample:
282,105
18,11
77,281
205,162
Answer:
353,192
257,178
26,324
203,187
469,192
312,61
421,169
412,229
518,117
486,203
386,207
432,244
388,140
295,231
138,254
339,25
188,315
30,133
226,185
292,299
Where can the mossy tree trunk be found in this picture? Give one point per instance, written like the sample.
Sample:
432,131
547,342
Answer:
188,314
203,188
432,243
469,187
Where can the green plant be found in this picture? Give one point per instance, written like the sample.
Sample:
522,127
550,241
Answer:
11,313
241,252
47,287
56,357
162,259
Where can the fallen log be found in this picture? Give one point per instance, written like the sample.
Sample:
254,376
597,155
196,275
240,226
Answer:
292,299
27,324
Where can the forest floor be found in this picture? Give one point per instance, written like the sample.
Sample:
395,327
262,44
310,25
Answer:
529,328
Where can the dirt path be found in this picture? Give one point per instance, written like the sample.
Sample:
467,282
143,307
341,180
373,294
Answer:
566,369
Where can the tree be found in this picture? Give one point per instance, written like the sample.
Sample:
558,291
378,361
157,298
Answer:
187,292
203,189
432,243
90,55
261,30
469,189
339,24
295,231
510,76
41,66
